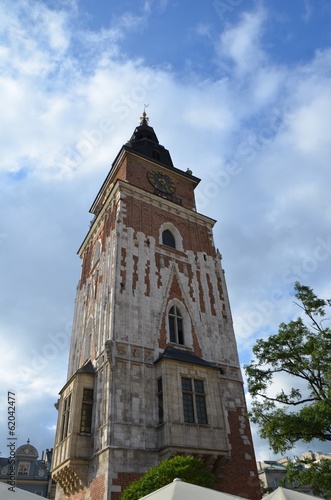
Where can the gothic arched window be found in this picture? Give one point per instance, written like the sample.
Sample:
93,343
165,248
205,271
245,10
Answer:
176,329
168,239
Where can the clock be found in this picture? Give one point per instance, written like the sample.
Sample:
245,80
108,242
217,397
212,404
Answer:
161,181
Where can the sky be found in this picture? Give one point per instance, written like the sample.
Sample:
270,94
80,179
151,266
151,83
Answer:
239,91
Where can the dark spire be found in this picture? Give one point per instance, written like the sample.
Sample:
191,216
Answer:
145,142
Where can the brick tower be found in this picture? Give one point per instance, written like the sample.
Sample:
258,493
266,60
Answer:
153,366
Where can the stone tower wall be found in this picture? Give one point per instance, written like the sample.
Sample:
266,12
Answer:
129,281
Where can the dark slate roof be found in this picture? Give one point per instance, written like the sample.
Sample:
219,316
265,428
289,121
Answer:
184,356
88,368
145,142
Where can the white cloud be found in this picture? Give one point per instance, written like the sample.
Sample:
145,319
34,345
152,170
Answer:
241,43
308,10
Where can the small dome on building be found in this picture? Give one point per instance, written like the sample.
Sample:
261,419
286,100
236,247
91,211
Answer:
27,450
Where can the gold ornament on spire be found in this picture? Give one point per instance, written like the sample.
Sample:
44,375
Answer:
144,118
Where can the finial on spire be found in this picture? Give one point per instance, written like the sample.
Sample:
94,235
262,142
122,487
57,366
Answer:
28,441
144,118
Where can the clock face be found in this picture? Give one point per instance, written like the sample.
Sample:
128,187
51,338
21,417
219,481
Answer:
161,181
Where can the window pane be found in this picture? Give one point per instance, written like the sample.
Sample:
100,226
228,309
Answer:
186,384
86,416
180,331
188,407
198,386
168,239
88,395
65,417
178,313
172,330
201,409
160,400
176,326
85,425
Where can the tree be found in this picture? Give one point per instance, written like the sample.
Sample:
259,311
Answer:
316,474
186,468
301,350
265,490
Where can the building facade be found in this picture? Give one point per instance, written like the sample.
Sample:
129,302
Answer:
272,473
26,472
153,365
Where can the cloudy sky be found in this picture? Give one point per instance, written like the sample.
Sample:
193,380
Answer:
239,91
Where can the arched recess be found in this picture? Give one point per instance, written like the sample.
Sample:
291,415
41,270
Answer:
179,326
167,227
88,339
96,255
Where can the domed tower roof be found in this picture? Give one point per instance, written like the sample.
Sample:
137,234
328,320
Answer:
27,450
145,142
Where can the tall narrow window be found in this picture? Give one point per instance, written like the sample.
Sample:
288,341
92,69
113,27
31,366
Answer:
176,326
160,400
194,401
188,400
86,419
168,239
65,417
200,402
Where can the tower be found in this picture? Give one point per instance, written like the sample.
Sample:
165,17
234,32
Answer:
153,364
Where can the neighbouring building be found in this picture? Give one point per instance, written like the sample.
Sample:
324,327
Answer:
153,365
316,456
272,472
30,474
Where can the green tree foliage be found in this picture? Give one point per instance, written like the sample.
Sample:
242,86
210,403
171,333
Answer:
189,469
315,474
265,490
301,350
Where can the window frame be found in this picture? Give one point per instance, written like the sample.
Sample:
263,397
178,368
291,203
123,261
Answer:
160,402
168,226
168,239
23,468
65,417
194,401
87,410
176,325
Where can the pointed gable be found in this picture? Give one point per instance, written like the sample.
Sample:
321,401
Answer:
174,295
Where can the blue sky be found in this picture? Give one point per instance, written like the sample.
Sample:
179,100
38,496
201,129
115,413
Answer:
238,91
